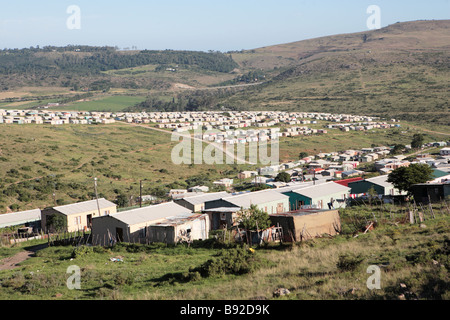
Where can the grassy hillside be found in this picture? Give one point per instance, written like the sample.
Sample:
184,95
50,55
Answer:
413,262
39,160
398,71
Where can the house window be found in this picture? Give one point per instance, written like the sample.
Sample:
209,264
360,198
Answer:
78,220
107,212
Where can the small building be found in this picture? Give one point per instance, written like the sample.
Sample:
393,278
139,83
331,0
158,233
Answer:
379,184
306,224
200,202
137,225
434,192
175,192
325,195
444,152
269,201
247,174
179,229
222,217
29,218
79,216
225,182
199,189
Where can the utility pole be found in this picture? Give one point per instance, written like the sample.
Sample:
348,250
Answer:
140,193
96,196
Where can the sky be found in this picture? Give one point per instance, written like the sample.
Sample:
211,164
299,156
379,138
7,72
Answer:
196,24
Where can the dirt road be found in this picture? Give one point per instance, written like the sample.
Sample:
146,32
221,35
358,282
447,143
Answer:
12,262
215,145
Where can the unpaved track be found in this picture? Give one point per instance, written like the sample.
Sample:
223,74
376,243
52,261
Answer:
12,262
215,145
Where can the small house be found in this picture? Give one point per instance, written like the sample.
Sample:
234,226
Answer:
434,192
30,218
78,216
306,224
197,203
324,195
269,201
379,184
156,223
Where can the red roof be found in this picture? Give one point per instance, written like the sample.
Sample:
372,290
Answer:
347,181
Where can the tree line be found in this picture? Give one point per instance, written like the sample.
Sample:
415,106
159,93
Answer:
98,60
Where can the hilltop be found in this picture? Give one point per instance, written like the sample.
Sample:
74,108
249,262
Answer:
398,71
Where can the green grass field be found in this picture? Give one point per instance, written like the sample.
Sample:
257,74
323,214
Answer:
413,262
113,103
37,160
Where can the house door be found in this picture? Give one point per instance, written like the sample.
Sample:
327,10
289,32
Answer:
89,221
280,208
119,234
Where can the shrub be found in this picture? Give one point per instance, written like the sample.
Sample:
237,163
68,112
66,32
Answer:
232,261
349,262
82,251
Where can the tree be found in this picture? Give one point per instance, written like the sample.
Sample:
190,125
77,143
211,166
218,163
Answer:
283,177
56,222
417,141
372,193
404,178
122,200
253,219
397,149
303,155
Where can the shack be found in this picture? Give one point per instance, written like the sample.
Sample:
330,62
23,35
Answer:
222,217
306,224
156,223
30,218
178,229
78,216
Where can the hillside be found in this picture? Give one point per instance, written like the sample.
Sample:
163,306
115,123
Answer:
398,71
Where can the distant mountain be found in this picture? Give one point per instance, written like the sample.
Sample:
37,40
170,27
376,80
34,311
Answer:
399,71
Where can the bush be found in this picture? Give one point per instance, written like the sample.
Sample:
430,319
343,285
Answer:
349,262
232,261
82,251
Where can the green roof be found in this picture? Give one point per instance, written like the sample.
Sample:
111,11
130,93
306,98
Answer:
438,173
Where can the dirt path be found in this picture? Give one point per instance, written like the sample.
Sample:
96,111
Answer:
12,262
219,147
431,131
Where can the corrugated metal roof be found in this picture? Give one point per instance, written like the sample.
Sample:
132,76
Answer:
179,220
301,212
199,199
151,213
222,209
322,190
258,197
381,181
300,185
85,206
17,218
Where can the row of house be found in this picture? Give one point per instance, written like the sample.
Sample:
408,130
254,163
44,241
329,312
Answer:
54,117
193,217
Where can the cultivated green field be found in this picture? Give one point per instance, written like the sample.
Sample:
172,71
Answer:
113,103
